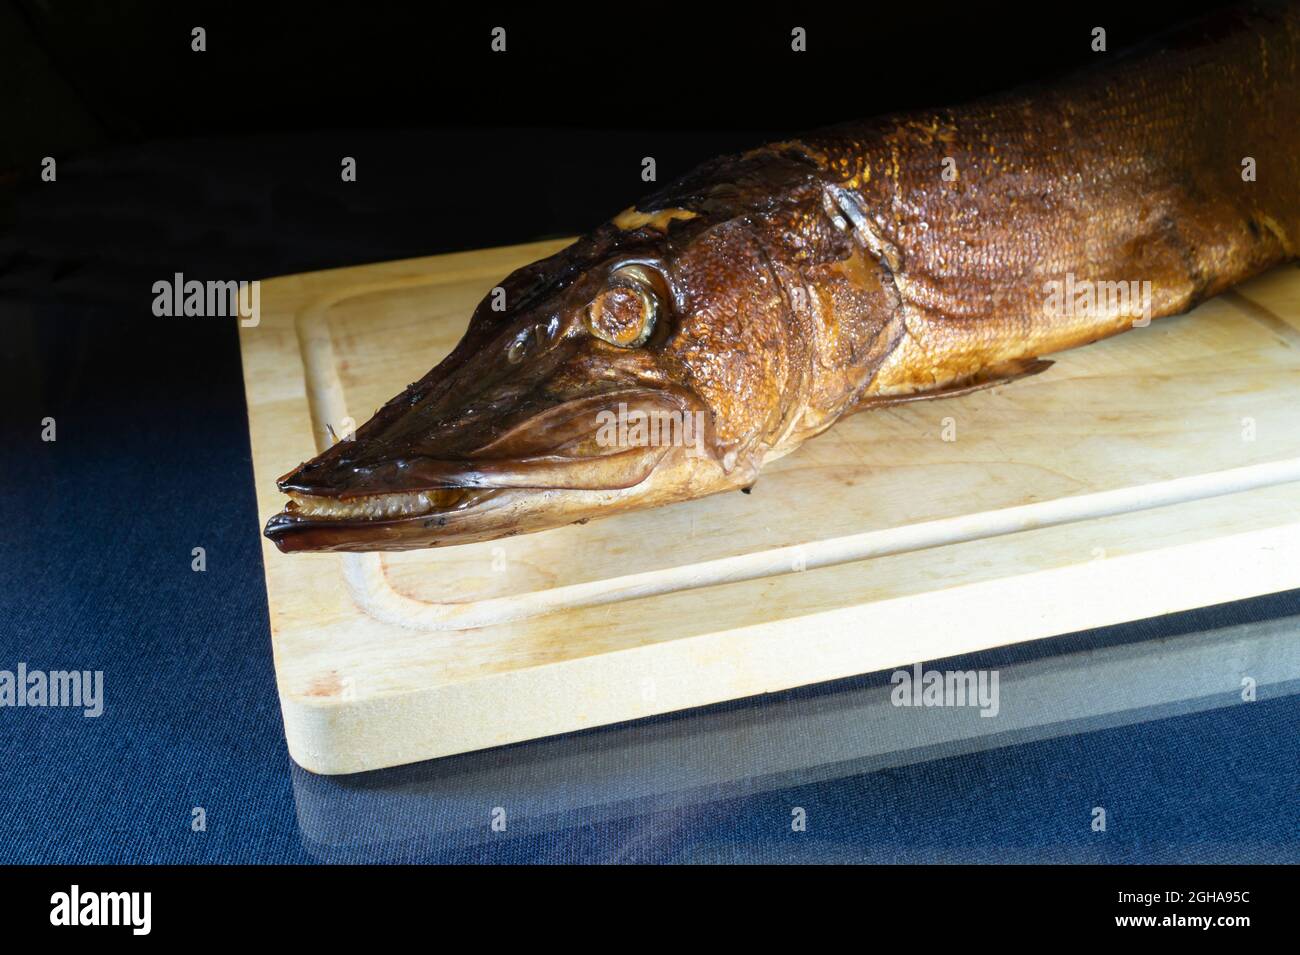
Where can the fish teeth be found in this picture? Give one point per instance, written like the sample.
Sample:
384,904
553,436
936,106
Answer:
373,507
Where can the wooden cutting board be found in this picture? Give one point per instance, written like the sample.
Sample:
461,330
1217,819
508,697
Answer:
1145,474
643,770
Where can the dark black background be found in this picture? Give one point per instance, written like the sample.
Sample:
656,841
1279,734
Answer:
227,162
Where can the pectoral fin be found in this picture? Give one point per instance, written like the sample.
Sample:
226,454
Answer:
986,378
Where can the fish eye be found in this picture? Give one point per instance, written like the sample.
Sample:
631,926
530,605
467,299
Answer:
625,312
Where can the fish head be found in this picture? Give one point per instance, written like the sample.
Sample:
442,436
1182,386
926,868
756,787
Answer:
636,367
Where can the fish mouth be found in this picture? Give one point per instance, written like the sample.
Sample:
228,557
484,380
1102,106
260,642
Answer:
549,469
382,521
380,507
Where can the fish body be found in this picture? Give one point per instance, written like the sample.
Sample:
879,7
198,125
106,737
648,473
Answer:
750,305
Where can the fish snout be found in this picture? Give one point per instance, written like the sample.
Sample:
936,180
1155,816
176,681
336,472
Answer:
572,456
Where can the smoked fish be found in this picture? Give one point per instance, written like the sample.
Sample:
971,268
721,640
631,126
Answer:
740,311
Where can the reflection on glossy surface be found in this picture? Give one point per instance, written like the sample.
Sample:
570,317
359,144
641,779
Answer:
725,783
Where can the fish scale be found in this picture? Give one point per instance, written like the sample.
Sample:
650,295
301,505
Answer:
1127,173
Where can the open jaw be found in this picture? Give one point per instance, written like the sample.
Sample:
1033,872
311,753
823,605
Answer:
508,497
549,468
377,507
379,521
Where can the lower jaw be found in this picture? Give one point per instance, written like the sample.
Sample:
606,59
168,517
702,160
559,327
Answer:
399,521
484,515
405,521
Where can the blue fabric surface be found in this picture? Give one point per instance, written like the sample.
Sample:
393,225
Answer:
95,573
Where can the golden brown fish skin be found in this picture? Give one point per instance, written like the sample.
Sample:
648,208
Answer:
807,279
1129,173
1134,174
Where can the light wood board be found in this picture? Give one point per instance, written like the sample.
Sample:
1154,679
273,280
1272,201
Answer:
725,753
1146,474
